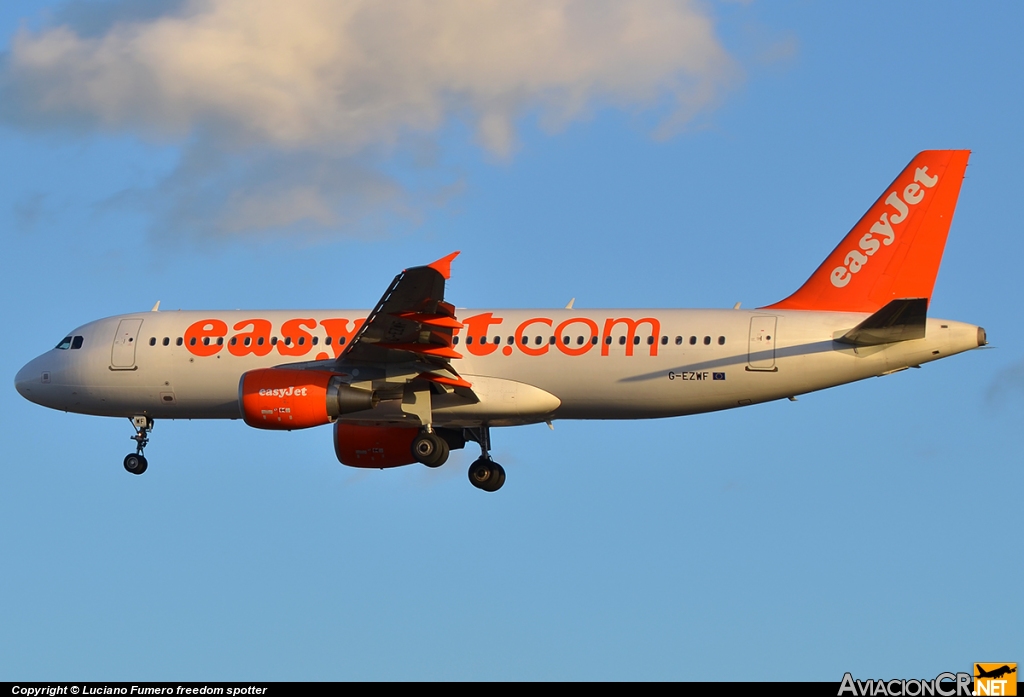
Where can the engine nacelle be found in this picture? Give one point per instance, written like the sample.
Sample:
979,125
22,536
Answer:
373,446
286,399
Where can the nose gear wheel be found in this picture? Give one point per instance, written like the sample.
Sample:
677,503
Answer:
136,464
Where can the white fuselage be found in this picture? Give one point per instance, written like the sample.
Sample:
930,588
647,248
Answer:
587,364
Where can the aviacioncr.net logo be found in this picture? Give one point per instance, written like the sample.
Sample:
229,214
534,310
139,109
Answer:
943,685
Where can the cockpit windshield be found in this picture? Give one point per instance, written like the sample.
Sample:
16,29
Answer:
70,342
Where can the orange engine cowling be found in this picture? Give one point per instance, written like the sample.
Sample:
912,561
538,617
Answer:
286,399
373,446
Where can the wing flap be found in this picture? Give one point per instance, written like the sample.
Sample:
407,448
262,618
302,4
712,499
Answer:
426,349
411,320
456,381
407,338
430,320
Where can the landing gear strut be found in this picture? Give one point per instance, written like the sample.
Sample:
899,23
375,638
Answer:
136,462
485,473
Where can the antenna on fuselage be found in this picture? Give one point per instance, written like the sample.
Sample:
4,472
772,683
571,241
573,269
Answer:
568,305
156,308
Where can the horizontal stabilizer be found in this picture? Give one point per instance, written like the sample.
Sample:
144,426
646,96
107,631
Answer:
901,320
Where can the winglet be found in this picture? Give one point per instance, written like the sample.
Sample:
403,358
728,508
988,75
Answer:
444,265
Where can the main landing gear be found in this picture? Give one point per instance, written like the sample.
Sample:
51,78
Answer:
430,449
136,462
485,473
432,446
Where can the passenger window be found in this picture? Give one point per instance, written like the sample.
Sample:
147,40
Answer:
608,340
273,341
234,340
539,340
622,341
64,344
679,340
497,340
511,340
469,340
551,340
248,340
287,341
206,341
259,341
76,343
455,341
302,340
341,341
192,341
179,341
327,341
664,340
636,340
565,341
650,340
220,341
707,341
579,341
167,341
152,341
593,341
721,341
693,341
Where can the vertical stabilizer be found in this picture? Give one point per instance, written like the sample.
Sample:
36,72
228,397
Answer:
894,251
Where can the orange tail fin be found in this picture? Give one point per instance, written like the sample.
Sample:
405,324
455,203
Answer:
894,251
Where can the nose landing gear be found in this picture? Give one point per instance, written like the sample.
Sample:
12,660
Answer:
136,462
485,473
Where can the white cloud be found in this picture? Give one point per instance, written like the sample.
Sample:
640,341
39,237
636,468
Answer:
349,77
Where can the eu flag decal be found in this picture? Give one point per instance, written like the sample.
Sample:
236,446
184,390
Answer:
718,376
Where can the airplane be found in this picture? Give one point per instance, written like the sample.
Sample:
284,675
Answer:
995,673
415,377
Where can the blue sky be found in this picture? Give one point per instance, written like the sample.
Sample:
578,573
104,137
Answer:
867,528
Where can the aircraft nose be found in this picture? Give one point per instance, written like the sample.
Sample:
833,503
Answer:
21,380
28,379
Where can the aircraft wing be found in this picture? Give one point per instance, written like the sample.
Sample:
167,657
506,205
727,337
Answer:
412,324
